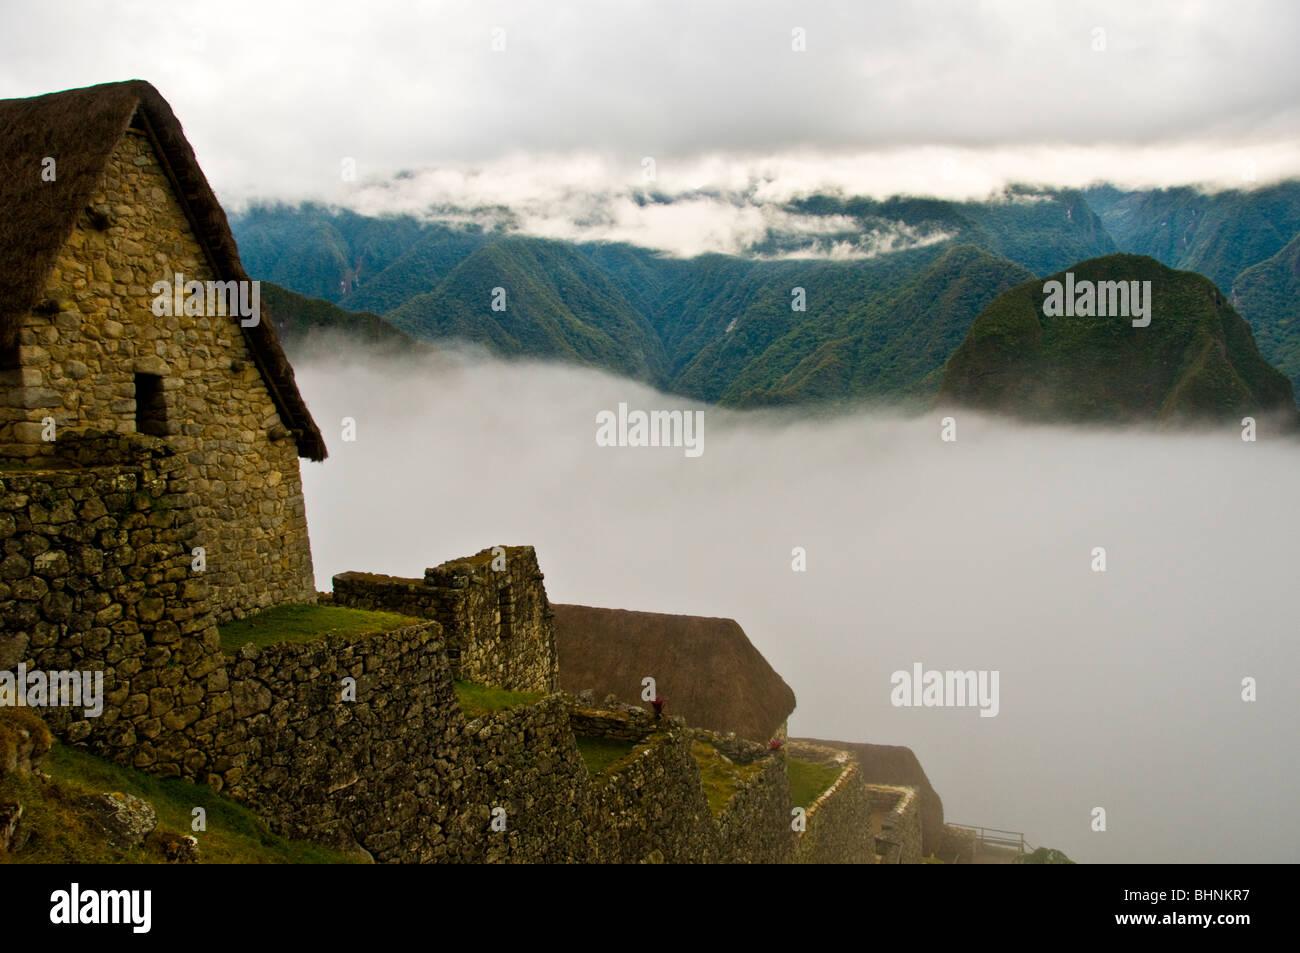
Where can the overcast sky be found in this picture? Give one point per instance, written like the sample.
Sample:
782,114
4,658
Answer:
939,98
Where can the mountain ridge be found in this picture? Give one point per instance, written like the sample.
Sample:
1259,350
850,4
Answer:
727,329
1195,361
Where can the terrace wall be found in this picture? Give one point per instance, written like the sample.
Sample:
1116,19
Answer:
349,741
838,822
754,826
525,761
655,804
96,577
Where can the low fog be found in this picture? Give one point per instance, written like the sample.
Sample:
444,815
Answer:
1119,690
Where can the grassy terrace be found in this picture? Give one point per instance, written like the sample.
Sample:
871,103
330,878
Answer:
62,833
601,754
808,779
302,623
478,700
719,776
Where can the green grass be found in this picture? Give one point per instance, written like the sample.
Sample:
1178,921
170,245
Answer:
808,779
63,834
301,623
600,754
477,700
719,776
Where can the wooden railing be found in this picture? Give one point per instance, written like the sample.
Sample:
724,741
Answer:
993,837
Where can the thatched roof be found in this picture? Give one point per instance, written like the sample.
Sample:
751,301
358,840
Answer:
708,669
80,128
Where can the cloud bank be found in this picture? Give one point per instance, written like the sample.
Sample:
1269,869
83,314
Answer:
1118,690
550,110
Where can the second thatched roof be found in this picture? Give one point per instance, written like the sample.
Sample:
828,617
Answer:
707,668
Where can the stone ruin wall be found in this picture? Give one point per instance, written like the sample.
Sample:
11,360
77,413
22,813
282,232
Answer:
899,840
656,804
95,576
838,822
497,623
754,827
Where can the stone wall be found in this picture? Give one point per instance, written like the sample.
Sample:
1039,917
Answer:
738,749
94,330
95,577
417,781
897,765
524,760
628,724
376,770
656,805
497,622
401,771
898,840
838,823
754,827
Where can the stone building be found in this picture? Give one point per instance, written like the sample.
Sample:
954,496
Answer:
124,310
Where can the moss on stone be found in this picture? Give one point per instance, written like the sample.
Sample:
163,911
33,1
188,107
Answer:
478,700
601,754
809,779
302,623
719,775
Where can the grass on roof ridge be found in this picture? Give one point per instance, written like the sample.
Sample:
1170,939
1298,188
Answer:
720,777
601,755
303,623
810,779
478,700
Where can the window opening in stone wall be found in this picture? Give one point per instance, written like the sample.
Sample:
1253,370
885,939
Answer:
9,358
506,611
150,407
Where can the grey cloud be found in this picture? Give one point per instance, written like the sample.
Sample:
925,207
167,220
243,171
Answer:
275,95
